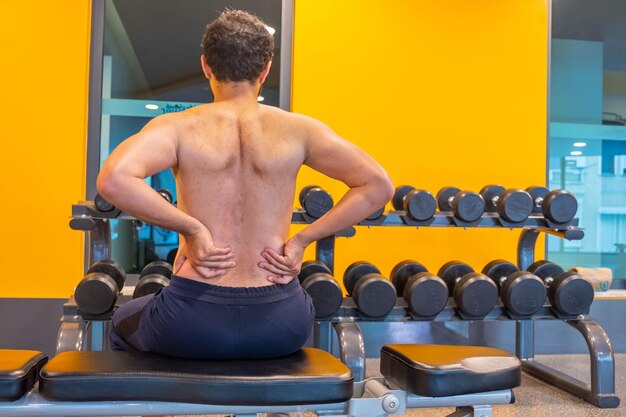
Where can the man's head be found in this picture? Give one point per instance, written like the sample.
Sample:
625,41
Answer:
237,47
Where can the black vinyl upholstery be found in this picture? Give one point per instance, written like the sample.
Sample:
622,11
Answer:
18,372
309,376
441,370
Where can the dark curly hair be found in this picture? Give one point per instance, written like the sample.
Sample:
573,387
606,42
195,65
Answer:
237,46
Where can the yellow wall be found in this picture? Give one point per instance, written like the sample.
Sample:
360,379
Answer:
441,93
44,71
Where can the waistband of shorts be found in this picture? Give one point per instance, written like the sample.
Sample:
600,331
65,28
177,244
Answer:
218,294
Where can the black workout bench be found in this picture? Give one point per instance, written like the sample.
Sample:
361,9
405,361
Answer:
88,383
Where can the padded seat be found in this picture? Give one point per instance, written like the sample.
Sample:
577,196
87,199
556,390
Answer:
18,372
309,376
442,370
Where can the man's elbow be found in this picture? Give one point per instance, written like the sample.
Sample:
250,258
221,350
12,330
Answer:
384,189
108,184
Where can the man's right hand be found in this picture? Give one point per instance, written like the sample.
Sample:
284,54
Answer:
199,250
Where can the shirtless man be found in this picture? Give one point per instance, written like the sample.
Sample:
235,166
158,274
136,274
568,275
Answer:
233,293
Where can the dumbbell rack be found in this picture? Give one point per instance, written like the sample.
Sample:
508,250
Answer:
600,392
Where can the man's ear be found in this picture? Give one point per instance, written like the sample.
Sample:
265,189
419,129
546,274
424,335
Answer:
205,67
264,73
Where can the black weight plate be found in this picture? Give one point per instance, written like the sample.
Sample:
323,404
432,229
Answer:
443,198
523,294
149,284
475,294
537,193
560,206
374,296
426,294
112,269
498,269
515,205
304,192
452,270
545,269
325,293
420,205
309,268
171,256
166,194
398,196
468,206
96,293
489,193
317,202
354,273
376,214
401,273
102,205
157,267
571,294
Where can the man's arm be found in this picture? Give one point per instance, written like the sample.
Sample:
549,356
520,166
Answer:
121,182
370,189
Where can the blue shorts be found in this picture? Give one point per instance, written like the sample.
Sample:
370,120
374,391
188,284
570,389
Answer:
192,319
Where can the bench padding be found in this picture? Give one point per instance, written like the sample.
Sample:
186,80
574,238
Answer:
18,372
441,370
309,376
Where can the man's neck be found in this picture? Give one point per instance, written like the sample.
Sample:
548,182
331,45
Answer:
240,93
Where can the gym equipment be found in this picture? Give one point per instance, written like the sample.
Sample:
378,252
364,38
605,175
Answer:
570,293
166,194
468,206
315,201
419,205
153,277
475,294
513,205
521,292
373,295
316,279
171,256
97,292
102,205
559,206
376,215
426,294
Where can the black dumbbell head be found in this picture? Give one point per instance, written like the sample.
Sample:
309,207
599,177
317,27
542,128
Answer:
426,294
309,268
398,196
515,205
452,270
475,294
571,294
420,205
149,284
303,193
157,267
537,193
375,215
166,194
559,206
489,192
102,205
401,273
325,293
498,269
171,256
374,296
96,293
523,293
468,206
443,198
112,269
355,272
317,202
545,269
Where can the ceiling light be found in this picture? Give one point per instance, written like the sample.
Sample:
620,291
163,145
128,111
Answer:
580,144
270,29
260,98
576,153
152,107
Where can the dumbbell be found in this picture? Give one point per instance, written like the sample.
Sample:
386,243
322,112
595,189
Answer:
166,194
521,292
559,206
466,205
97,292
513,205
419,205
569,293
426,294
316,279
315,201
153,277
102,205
373,295
171,256
475,294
